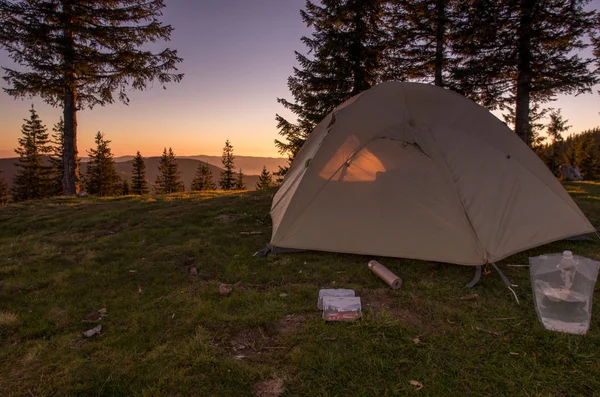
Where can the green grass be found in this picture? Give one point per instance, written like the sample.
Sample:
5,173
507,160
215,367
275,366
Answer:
167,333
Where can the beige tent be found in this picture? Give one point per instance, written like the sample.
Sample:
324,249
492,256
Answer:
416,171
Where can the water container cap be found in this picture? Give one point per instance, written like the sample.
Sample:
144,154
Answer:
567,255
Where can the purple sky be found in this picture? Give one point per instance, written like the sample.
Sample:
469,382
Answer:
237,57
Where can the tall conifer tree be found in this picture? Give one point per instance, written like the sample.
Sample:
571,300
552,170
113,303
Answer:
168,179
34,177
227,180
520,52
79,53
346,48
139,185
101,178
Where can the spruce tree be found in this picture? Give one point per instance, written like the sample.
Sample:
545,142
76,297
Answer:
139,185
265,180
81,53
101,178
584,156
239,182
203,179
168,179
34,178
227,181
56,157
347,49
555,129
4,196
421,35
126,187
520,52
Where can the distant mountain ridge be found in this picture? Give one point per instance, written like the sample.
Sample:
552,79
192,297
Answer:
187,168
249,164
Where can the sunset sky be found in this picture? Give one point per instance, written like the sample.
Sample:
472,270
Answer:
237,57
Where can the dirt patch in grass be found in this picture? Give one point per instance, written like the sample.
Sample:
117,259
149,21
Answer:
269,388
291,324
59,317
247,343
381,299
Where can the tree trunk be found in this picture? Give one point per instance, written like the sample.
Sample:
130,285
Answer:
524,78
439,34
71,174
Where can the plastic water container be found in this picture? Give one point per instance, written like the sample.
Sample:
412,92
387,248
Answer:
563,288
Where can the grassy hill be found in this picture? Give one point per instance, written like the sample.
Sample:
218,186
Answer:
168,332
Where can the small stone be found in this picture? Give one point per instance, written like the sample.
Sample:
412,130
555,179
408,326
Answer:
91,332
225,289
283,295
416,341
333,282
193,271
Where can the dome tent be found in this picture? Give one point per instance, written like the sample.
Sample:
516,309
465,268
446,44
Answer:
416,171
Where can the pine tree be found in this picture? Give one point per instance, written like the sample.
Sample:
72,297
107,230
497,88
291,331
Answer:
126,187
4,196
203,178
56,157
101,178
421,36
347,48
79,53
239,182
168,179
227,181
139,185
265,180
34,178
521,52
584,157
555,128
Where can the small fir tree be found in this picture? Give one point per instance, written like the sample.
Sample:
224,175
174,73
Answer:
34,178
139,185
169,178
584,157
265,180
56,157
4,196
203,179
227,181
101,178
239,182
555,128
126,187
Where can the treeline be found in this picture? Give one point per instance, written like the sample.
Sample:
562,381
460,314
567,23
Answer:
40,169
504,54
579,150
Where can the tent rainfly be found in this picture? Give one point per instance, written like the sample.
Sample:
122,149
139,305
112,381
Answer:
416,171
